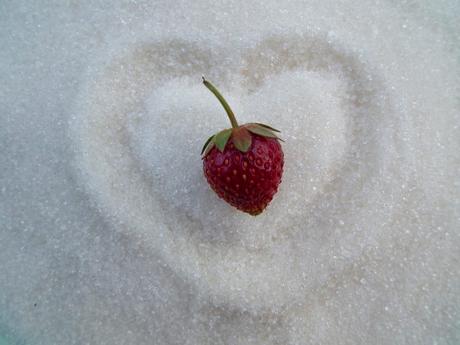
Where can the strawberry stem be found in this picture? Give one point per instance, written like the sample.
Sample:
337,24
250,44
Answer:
222,101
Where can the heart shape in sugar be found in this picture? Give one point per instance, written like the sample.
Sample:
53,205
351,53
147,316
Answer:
142,121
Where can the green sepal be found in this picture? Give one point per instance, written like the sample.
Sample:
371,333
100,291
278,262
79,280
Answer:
242,139
209,148
221,139
267,126
262,131
206,143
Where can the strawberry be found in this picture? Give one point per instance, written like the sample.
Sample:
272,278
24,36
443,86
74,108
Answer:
243,164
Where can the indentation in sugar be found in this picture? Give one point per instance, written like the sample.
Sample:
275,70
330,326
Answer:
321,99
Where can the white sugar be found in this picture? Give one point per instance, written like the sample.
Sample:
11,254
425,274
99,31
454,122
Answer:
109,233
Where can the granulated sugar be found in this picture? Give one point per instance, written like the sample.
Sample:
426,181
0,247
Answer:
109,232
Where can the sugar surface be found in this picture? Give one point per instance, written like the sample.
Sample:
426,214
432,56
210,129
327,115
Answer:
109,233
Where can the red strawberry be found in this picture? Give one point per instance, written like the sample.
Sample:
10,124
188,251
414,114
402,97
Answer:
243,164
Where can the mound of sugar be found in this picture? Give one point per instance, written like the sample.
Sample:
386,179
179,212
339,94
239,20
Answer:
110,233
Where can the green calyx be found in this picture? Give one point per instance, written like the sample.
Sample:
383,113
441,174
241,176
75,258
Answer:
240,135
